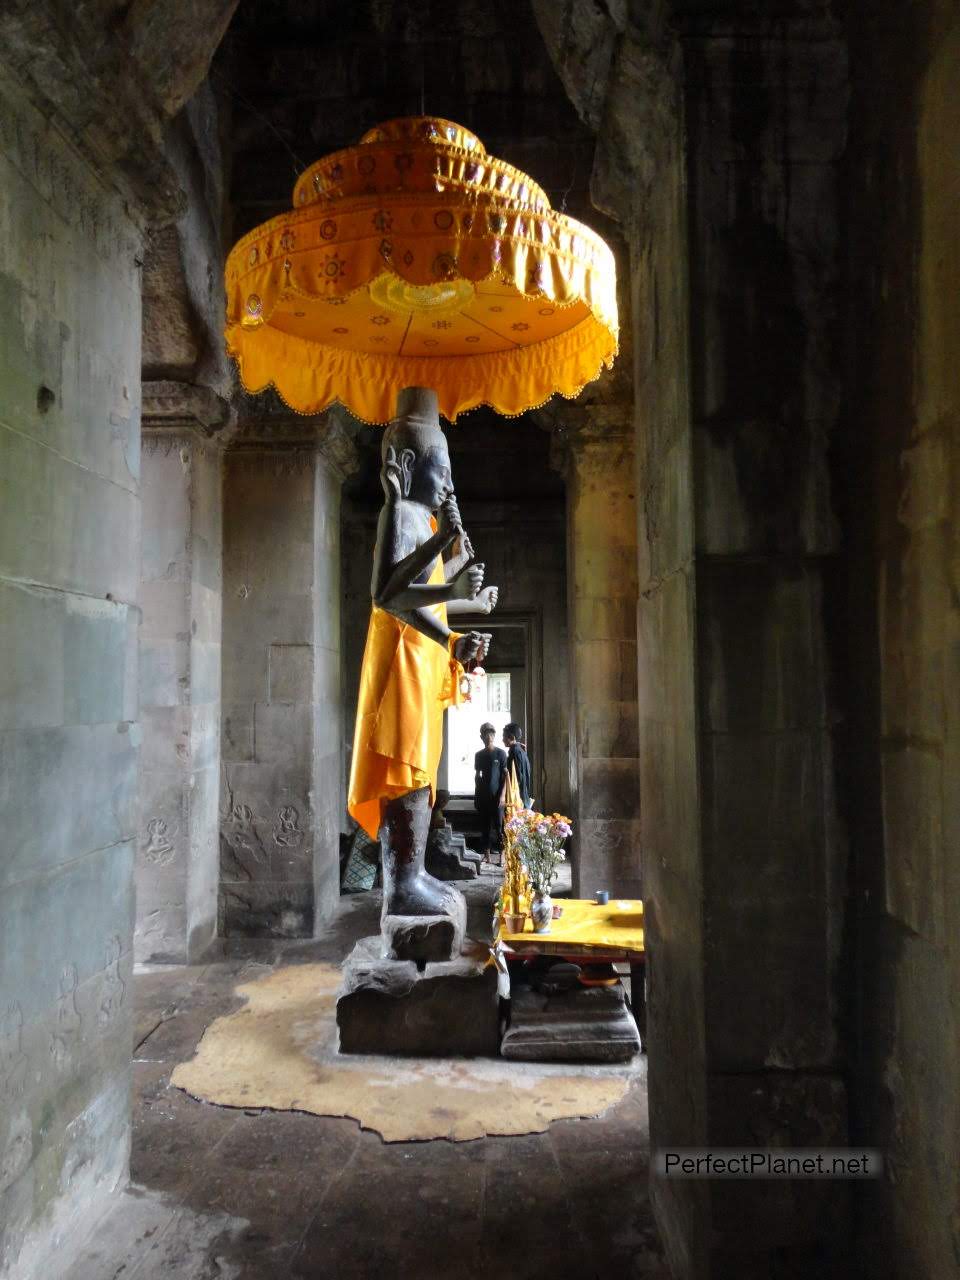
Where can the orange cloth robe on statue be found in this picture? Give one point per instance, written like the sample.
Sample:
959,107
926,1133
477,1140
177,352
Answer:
406,683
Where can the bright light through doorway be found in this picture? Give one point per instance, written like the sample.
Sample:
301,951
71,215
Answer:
490,702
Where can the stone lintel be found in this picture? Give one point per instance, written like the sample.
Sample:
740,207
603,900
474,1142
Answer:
274,426
574,426
169,405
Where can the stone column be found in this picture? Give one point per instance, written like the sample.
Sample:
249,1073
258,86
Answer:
69,738
602,605
181,592
281,742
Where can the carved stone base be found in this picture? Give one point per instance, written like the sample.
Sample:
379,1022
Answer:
583,1024
450,1009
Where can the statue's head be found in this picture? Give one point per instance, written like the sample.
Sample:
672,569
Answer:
420,448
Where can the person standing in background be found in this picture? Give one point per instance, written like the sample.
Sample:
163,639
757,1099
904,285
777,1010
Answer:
517,756
489,782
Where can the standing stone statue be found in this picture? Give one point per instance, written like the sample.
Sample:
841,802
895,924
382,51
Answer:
413,663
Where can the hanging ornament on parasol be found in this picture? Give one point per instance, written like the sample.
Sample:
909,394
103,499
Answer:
416,259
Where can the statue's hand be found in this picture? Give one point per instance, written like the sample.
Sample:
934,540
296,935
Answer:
463,547
448,518
472,647
486,600
390,477
467,583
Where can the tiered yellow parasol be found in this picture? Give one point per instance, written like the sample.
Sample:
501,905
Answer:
415,259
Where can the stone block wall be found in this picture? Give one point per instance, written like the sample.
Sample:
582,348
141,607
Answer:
178,853
281,765
666,699
766,121
602,596
69,738
900,627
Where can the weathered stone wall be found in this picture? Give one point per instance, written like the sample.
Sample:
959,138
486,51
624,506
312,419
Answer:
766,121
69,741
183,289
730,200
281,774
666,695
900,467
181,593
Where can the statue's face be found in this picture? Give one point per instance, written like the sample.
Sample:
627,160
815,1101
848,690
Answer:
431,482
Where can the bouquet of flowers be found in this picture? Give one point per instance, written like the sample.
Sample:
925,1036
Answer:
539,840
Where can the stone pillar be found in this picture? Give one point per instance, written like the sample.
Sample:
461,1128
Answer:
602,605
181,591
281,741
186,388
720,154
69,738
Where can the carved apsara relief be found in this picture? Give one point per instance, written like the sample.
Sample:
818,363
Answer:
158,847
287,832
66,1034
242,850
114,988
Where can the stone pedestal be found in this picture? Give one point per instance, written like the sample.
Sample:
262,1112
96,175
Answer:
583,1024
449,1009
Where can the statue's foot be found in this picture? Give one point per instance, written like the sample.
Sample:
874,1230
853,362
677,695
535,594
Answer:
421,895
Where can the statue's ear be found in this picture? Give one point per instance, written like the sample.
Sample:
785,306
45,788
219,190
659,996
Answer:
408,461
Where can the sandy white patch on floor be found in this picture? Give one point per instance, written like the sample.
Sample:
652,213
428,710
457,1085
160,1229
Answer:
280,1052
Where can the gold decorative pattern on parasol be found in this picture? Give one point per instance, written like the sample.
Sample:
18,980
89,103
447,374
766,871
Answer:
415,259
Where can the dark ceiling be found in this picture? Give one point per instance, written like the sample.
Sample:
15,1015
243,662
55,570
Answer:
304,79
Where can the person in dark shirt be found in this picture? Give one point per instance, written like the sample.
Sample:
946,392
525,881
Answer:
489,780
517,756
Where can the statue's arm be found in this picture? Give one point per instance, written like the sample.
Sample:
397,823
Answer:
394,567
395,585
468,647
463,554
485,601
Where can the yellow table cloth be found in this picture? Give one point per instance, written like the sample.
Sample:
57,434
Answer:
616,926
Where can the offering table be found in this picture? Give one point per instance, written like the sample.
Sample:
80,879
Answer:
589,934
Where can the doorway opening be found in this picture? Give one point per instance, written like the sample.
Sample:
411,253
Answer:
497,698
